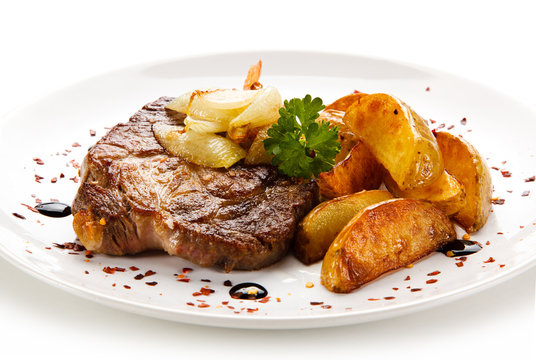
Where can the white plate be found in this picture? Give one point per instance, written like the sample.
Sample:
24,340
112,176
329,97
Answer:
500,128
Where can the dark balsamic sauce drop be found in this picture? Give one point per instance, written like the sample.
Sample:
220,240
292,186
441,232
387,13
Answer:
248,291
460,248
54,209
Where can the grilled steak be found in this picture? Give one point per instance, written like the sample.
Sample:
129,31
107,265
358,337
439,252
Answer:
134,196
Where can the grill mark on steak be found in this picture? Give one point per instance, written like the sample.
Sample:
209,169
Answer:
243,217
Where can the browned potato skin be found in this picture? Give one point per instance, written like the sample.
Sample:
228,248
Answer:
381,238
446,193
359,171
399,139
464,162
342,104
319,228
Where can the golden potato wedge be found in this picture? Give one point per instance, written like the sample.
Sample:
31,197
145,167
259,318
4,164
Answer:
399,139
464,162
381,238
359,171
346,137
342,104
320,227
446,192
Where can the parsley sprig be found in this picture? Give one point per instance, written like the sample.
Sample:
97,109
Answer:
301,146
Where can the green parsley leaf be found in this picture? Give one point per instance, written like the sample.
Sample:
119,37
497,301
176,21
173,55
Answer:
301,146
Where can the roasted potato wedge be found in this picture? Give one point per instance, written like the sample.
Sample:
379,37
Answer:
342,104
359,171
399,139
381,238
446,192
464,162
319,228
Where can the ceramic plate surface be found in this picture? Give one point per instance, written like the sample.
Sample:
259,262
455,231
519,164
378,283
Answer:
43,143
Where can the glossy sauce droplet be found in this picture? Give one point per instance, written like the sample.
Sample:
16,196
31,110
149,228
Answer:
248,291
460,248
54,209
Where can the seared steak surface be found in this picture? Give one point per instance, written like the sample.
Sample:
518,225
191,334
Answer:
134,196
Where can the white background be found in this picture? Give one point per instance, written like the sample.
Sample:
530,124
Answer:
48,45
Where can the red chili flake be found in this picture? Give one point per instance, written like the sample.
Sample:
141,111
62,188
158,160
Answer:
434,273
498,202
206,291
28,251
264,300
459,264
372,299
278,299
149,272
92,132
62,176
113,285
230,307
463,121
450,127
48,248
395,289
127,287
76,144
427,89
490,260
530,179
407,278
86,272
54,180
506,173
184,280
357,92
441,126
249,310
227,283
74,179
152,283
389,298
134,268
190,303
462,258
431,281
112,270
432,121
500,233
225,302
205,280
525,193
38,178
38,161
502,265
326,306
187,270
314,303
203,305
139,277
196,294
487,243
415,289
31,208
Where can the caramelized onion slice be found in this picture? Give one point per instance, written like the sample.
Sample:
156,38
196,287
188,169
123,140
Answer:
264,110
205,126
214,105
199,148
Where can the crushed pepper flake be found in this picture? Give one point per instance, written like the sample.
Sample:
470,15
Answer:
498,201
203,305
525,193
490,260
431,281
415,289
530,179
389,298
434,273
314,303
17,215
506,173
459,264
151,283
